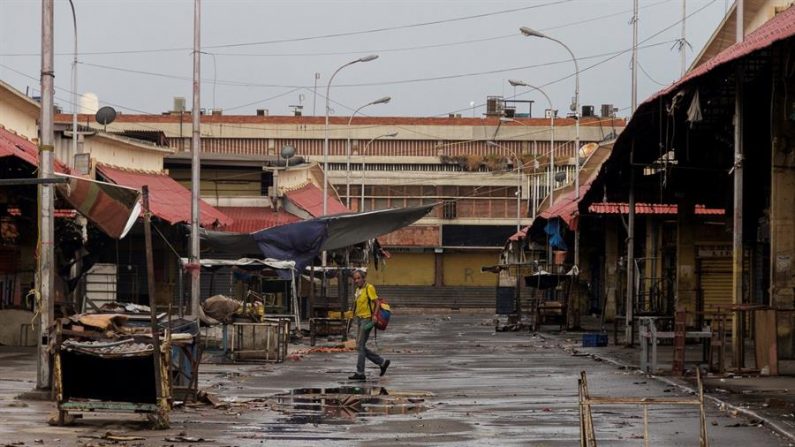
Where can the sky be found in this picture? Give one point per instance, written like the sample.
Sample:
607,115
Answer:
436,57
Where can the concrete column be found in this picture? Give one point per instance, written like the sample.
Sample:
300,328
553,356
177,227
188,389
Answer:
439,265
611,231
782,214
686,291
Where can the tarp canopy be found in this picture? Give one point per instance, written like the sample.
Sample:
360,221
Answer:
112,208
303,241
244,262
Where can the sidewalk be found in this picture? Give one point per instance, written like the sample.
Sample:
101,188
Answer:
764,400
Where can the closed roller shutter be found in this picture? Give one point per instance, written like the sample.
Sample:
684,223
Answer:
716,284
405,269
463,269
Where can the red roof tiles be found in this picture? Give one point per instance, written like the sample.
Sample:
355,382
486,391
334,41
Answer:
310,199
168,199
251,219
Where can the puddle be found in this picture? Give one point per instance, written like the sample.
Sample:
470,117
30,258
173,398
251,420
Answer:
334,405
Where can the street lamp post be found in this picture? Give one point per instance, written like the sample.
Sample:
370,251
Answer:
519,166
551,170
533,33
325,132
383,100
366,146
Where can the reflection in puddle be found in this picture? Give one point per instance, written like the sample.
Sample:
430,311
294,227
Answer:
325,405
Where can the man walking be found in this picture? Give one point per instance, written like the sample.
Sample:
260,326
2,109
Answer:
363,304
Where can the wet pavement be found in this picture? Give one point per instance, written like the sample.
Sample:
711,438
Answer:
453,381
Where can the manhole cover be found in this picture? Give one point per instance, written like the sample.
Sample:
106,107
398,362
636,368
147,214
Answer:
349,403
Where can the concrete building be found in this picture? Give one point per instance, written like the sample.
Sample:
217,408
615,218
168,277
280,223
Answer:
489,173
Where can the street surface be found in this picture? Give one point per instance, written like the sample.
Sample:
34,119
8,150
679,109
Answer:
453,381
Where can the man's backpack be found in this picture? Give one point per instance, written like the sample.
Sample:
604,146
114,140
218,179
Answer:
382,312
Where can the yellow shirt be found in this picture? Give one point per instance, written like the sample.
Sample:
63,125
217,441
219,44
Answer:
363,304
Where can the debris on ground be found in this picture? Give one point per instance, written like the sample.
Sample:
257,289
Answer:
183,437
348,346
212,399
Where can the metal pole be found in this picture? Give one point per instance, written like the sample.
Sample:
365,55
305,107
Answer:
738,350
630,299
314,95
195,278
74,84
683,47
519,167
150,283
366,146
383,100
46,259
634,56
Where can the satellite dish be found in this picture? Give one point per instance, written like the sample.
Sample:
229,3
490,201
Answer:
105,115
287,152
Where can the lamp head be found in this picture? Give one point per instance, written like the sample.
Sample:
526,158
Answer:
529,32
383,100
516,83
391,135
368,58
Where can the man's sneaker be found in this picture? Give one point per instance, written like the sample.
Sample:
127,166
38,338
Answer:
358,376
384,366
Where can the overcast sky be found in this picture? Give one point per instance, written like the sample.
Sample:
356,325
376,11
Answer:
436,56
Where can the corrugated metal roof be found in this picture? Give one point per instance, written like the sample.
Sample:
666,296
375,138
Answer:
780,27
13,145
168,199
310,199
251,219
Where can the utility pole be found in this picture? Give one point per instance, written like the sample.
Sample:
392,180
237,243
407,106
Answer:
45,274
683,43
634,55
195,277
630,299
738,347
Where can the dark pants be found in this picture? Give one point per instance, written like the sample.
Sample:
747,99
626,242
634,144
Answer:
361,346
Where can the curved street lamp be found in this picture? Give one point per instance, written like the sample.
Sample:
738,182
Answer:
529,32
519,166
366,146
383,100
551,170
325,130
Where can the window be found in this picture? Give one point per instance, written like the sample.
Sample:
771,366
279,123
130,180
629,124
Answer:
449,209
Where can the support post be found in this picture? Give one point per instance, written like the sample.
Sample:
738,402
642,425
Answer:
738,351
162,402
630,302
195,278
45,274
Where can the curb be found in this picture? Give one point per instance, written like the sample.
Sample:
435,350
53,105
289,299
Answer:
771,425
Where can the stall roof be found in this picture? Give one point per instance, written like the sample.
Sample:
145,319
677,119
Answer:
310,199
567,200
780,27
168,200
13,145
643,128
250,219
